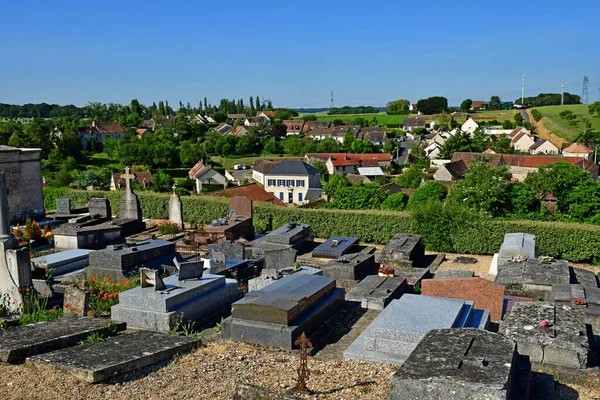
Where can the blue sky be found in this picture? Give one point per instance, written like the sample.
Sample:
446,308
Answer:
294,53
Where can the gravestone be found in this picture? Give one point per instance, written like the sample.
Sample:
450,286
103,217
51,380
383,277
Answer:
292,234
99,207
189,269
191,296
453,273
63,206
77,299
548,333
532,277
483,293
15,268
277,314
280,258
63,262
231,250
397,331
579,296
467,364
129,207
334,247
376,292
241,205
24,341
404,250
176,210
269,276
518,245
355,266
119,261
116,356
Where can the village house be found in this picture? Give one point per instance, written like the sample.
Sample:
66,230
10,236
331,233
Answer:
578,150
346,163
355,179
413,108
143,178
317,124
411,123
239,131
295,127
201,174
450,172
469,126
521,139
252,191
100,131
543,146
478,105
232,118
373,134
321,133
292,181
224,128
432,151
141,132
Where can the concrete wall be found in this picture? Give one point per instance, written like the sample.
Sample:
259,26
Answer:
24,182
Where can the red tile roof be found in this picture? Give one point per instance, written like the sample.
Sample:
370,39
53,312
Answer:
295,126
269,114
144,178
102,128
528,161
198,170
578,148
477,104
338,157
252,191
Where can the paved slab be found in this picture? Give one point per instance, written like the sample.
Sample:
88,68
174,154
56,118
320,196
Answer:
404,250
21,342
117,355
335,246
63,262
453,274
376,292
355,266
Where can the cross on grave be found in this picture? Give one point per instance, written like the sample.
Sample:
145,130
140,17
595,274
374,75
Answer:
127,176
174,187
303,372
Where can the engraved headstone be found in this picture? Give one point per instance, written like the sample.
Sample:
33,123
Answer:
63,206
176,209
129,207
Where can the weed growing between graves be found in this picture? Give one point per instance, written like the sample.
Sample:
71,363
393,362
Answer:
99,336
104,293
187,329
34,309
218,327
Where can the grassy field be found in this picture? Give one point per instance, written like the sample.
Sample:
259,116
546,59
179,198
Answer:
228,163
103,160
382,118
568,130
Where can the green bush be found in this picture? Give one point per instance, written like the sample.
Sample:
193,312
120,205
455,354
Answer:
431,190
448,228
395,202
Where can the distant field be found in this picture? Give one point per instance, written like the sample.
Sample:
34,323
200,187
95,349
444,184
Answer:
568,130
382,118
103,160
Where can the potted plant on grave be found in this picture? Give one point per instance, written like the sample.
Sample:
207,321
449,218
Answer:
167,228
296,266
385,270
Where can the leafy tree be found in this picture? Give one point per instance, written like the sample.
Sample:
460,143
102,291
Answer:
362,147
278,130
334,183
92,177
495,103
417,152
582,202
461,141
522,200
360,121
432,190
501,145
190,153
433,105
34,135
226,145
483,189
162,182
348,140
411,178
219,116
518,119
395,202
248,144
389,146
273,147
318,164
328,145
359,197
284,113
465,106
62,178
309,117
594,108
397,107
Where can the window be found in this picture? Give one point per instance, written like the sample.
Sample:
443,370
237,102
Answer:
300,196
300,183
271,182
280,182
290,182
281,196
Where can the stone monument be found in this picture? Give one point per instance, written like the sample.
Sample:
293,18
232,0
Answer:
176,209
129,208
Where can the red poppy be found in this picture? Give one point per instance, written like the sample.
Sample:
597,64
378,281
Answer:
47,270
73,309
106,278
67,305
53,310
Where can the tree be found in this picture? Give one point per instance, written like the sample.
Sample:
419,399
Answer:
34,135
395,202
594,108
273,147
348,140
582,202
334,183
397,107
410,178
328,145
284,113
309,117
495,103
162,182
433,105
225,145
518,119
461,141
190,153
219,117
502,145
432,190
92,177
465,106
522,200
483,189
359,197
417,152
318,164
362,147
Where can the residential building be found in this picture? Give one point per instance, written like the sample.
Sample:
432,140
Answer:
373,134
578,150
234,117
295,127
411,123
432,151
269,115
317,124
450,172
497,130
522,141
143,178
239,131
356,179
321,133
469,126
370,172
478,105
100,131
252,191
141,132
224,128
239,176
202,174
292,181
346,163
543,146
412,107
489,151
149,124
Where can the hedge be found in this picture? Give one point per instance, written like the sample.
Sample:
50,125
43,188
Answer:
574,242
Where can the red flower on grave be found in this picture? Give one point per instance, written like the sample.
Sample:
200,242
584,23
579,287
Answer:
73,309
47,270
14,302
53,310
67,305
118,292
94,278
126,283
27,290
19,289
45,289
30,256
544,323
106,278
579,302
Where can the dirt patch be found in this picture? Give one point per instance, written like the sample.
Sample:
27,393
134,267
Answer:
545,133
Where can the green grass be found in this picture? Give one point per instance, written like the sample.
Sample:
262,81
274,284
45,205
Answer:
228,163
103,160
580,110
382,118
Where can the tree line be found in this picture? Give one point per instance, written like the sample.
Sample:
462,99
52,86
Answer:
354,110
549,99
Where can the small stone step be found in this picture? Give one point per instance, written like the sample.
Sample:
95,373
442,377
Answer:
16,344
117,355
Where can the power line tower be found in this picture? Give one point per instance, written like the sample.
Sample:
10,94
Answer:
584,93
331,102
523,90
562,95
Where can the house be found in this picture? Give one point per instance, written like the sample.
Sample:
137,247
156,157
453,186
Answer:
356,179
543,146
198,119
411,123
370,172
489,151
451,172
168,121
346,163
239,131
412,107
295,127
317,124
141,132
269,115
252,191
522,141
100,131
224,128
469,126
373,134
238,176
578,150
292,181
209,119
478,105
202,174
497,130
143,178
321,133
432,151
439,138
340,132
149,124
234,117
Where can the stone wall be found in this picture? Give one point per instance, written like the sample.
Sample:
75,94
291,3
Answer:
24,182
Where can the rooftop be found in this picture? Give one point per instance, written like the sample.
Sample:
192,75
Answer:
252,191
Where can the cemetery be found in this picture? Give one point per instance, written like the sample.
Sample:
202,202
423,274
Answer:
116,299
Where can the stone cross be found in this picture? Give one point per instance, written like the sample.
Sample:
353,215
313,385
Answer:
174,187
127,176
303,372
4,212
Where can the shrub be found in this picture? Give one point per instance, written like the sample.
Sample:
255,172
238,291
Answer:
431,190
536,115
395,202
410,178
